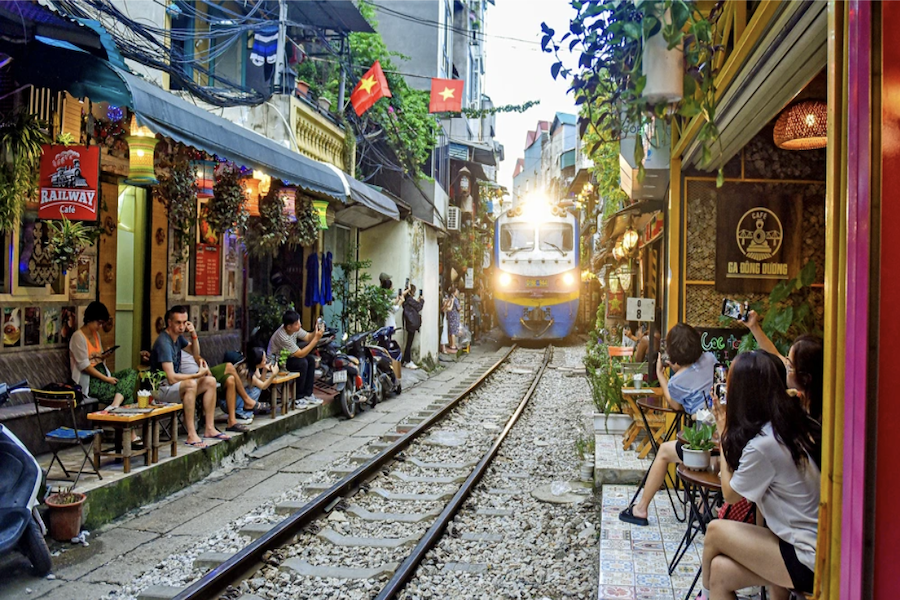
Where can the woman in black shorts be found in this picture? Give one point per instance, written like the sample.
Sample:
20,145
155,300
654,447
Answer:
770,448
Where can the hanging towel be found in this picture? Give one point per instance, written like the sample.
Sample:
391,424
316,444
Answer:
313,295
265,45
326,295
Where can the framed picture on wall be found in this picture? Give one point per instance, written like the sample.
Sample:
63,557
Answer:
32,328
195,315
223,316
68,323
12,327
213,317
51,325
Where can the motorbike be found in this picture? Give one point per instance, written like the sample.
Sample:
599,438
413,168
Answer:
375,376
384,338
21,526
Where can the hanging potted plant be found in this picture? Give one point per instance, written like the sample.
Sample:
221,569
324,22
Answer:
66,512
698,445
178,193
267,234
305,231
227,211
68,240
21,137
633,58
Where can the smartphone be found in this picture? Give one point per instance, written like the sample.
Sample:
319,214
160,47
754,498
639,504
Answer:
109,351
720,373
420,293
733,308
406,287
719,391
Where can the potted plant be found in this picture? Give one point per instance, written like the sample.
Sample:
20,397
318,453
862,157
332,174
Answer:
699,444
21,137
584,448
629,59
606,382
177,191
66,510
227,211
68,239
324,103
155,379
283,356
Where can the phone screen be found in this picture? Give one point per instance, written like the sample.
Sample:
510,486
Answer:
732,309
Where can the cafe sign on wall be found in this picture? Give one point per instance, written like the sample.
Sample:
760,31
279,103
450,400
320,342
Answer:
757,242
68,181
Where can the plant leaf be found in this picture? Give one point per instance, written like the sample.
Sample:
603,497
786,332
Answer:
807,274
783,319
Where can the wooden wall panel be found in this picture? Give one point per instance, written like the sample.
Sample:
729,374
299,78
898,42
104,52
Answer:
159,262
106,260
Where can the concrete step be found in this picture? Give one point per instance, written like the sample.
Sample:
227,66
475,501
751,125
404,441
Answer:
301,567
367,515
360,542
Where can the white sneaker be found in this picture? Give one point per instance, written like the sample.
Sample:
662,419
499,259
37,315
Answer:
301,403
411,365
243,421
312,400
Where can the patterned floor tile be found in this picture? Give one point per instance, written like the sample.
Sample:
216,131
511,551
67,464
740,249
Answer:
652,580
616,592
616,566
606,544
649,593
619,555
615,578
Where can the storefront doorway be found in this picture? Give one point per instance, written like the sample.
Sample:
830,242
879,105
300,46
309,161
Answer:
130,268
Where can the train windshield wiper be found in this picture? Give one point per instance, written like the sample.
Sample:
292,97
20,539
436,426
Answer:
520,248
555,247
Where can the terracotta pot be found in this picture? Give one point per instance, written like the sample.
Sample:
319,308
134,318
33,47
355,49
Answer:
302,88
65,519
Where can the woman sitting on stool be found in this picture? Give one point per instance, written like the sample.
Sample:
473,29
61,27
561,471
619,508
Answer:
770,449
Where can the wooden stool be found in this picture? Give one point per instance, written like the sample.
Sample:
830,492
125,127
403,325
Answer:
284,387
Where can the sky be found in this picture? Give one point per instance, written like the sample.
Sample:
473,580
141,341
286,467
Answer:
516,71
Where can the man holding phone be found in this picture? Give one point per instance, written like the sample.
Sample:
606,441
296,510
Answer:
287,337
412,322
181,387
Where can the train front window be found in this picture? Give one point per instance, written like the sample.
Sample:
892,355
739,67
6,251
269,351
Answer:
515,237
557,236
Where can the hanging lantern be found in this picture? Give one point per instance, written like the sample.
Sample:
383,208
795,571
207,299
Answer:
629,239
204,172
803,126
288,197
141,144
265,182
321,207
251,192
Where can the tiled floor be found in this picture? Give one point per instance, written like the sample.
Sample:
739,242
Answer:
608,454
634,560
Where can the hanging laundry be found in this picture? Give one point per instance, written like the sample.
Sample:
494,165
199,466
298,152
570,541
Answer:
326,295
265,45
313,293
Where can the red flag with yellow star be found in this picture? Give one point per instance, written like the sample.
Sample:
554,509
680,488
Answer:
370,88
446,95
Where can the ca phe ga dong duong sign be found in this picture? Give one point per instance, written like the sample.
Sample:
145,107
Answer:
757,239
69,177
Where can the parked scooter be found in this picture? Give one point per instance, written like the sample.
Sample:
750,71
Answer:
20,479
373,363
390,374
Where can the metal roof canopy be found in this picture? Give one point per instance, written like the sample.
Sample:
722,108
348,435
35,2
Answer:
336,15
791,53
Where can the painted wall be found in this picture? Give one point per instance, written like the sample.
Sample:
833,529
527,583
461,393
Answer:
418,41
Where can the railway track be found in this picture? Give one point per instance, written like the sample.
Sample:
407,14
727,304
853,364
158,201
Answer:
376,524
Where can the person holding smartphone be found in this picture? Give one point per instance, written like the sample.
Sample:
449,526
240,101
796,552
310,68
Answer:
287,337
87,361
412,322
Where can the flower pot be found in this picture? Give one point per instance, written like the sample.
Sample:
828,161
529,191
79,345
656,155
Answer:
324,104
65,519
663,68
302,88
614,423
143,398
587,470
696,460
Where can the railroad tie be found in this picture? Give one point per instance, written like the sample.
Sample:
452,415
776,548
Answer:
301,567
366,542
367,515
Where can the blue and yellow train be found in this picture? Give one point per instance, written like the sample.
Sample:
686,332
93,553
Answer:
537,277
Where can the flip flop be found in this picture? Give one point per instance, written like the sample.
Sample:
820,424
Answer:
196,444
628,516
218,436
237,428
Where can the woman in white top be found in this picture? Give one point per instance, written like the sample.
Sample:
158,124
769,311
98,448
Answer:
86,359
396,304
770,451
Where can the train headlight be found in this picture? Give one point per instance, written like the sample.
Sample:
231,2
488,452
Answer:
568,279
505,279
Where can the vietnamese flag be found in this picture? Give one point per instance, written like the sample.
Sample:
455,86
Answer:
446,95
370,88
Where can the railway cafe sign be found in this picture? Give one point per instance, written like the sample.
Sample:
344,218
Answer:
757,239
69,182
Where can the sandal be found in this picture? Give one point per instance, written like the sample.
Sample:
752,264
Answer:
237,428
196,444
628,516
218,436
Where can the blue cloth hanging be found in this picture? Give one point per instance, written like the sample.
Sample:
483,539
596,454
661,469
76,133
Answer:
313,294
326,294
265,45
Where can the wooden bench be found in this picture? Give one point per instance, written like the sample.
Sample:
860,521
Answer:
284,387
124,423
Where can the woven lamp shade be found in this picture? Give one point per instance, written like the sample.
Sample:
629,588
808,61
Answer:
140,160
803,126
251,193
204,171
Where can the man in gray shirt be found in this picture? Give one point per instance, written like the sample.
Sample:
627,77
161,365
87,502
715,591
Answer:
286,337
166,356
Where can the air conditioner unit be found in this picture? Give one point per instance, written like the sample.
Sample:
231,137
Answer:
453,216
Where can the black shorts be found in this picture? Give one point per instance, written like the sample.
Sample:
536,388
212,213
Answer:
801,576
679,450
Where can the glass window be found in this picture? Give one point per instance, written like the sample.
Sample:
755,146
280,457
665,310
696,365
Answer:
516,236
557,236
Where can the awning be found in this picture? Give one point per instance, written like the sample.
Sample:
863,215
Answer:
480,152
367,207
334,15
787,57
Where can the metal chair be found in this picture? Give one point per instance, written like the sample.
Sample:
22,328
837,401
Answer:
64,437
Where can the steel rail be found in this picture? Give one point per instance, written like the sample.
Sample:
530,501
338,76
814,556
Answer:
218,579
407,568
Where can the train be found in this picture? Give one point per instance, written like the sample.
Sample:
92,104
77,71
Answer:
537,279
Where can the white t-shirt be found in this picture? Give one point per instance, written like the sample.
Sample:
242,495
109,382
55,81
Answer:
787,496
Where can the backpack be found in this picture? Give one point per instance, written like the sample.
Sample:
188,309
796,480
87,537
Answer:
411,316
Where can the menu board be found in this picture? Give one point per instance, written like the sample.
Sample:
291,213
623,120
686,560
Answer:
207,270
721,341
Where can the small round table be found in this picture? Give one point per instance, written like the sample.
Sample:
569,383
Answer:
703,489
